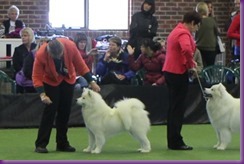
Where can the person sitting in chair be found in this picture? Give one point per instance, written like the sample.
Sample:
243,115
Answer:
151,60
113,67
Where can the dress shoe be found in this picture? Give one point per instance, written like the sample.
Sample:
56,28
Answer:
183,147
66,149
41,150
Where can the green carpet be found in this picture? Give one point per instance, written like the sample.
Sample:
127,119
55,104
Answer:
18,144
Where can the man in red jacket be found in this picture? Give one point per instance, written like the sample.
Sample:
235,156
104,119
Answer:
179,60
54,74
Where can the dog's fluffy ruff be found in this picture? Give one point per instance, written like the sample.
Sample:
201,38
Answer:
103,121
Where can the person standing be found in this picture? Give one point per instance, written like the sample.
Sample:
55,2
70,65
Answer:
54,75
206,35
234,32
143,25
178,62
13,25
210,8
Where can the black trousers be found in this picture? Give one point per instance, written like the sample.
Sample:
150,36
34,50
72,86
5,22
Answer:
110,78
61,97
208,57
177,86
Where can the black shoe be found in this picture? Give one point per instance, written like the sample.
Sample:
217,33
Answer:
66,149
183,147
41,150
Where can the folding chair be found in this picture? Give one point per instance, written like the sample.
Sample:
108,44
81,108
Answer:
219,74
7,85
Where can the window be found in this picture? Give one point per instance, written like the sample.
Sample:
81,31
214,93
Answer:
67,13
108,14
90,14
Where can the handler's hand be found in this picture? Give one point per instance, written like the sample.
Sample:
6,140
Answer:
45,99
192,70
94,86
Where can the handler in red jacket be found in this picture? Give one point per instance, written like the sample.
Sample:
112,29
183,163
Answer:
179,60
234,33
54,74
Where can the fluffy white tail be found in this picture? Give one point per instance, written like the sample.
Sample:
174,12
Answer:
128,109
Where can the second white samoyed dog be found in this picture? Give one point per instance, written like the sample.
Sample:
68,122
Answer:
224,114
103,121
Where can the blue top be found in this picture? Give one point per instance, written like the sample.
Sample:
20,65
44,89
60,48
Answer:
117,65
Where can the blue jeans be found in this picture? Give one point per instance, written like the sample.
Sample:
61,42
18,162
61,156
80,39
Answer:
237,52
81,83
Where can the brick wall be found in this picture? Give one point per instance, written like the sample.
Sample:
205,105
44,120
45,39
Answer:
35,14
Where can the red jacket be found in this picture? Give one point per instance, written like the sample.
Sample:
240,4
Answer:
152,65
180,49
44,68
234,29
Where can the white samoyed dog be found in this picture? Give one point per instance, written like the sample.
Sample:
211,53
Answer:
103,121
224,114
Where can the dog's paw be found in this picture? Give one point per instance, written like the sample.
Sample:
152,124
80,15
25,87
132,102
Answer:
87,150
139,150
215,146
221,147
96,151
144,150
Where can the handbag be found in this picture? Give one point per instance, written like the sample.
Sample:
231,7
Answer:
21,79
220,45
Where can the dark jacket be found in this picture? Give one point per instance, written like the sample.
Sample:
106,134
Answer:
20,56
28,65
18,26
103,68
143,25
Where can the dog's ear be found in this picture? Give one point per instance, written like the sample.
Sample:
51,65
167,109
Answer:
221,86
89,93
85,90
220,89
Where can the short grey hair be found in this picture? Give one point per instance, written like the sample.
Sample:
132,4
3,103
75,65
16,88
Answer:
13,8
55,48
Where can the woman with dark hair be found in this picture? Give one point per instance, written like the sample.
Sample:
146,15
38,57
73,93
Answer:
151,60
87,49
143,25
178,62
210,8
